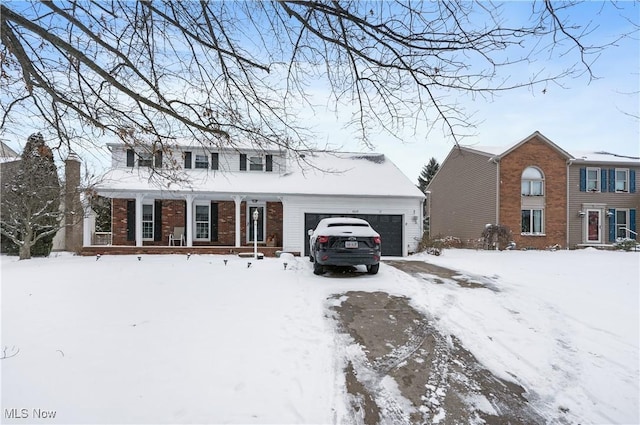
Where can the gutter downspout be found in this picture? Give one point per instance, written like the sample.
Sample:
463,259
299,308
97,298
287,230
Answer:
569,162
496,161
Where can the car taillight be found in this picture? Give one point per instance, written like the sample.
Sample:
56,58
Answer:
376,239
323,239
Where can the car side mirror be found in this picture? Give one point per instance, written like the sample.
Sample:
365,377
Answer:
310,232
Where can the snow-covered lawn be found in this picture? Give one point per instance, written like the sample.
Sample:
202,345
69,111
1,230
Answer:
174,340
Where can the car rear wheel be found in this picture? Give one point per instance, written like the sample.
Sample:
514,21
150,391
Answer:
317,268
373,269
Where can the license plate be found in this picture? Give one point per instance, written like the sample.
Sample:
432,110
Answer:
350,244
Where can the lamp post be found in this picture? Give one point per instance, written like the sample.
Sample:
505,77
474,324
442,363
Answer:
255,233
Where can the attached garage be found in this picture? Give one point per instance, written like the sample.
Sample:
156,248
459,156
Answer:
388,225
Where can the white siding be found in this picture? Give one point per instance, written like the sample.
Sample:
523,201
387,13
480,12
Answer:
295,207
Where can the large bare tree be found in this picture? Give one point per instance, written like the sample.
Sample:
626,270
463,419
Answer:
227,72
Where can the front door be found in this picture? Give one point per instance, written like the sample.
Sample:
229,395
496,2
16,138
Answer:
593,226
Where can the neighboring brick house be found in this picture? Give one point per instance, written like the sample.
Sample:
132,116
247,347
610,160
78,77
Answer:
215,191
544,194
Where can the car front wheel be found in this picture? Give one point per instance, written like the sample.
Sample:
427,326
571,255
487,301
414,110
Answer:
373,269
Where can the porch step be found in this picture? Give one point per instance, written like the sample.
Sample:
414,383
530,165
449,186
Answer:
260,255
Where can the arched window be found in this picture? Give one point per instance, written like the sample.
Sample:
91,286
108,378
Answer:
532,182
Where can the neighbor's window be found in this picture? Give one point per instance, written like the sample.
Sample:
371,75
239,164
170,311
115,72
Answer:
147,221
532,182
255,163
593,179
622,180
532,221
202,222
622,219
202,161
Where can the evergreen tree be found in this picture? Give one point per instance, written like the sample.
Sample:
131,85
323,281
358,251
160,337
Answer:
427,173
30,213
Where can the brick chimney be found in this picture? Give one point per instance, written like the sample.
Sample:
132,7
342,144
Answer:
72,205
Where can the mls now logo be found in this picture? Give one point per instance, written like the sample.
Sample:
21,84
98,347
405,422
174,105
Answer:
27,413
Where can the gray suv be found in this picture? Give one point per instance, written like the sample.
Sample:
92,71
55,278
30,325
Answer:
344,241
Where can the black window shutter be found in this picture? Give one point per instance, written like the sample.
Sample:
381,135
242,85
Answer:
187,160
243,162
214,222
157,224
158,159
131,220
214,161
130,158
269,162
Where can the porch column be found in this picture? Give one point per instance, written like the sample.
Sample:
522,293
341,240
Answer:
190,199
88,226
139,197
238,201
285,226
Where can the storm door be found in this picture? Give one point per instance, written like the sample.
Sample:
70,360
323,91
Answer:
594,226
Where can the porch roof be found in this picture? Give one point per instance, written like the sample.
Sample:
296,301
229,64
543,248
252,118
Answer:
324,174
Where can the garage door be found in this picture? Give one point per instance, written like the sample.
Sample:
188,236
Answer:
389,227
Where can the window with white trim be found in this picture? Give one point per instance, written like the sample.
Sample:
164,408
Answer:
622,180
532,221
202,222
147,221
593,179
256,163
622,221
145,159
532,183
202,161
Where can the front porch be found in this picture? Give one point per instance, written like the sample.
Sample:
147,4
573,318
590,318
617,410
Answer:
267,251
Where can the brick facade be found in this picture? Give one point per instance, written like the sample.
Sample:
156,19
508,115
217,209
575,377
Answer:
174,215
553,165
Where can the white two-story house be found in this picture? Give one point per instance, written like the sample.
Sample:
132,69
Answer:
214,192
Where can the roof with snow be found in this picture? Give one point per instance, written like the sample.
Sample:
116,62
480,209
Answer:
575,156
338,174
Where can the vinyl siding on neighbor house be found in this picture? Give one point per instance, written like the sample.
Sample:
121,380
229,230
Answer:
582,200
472,177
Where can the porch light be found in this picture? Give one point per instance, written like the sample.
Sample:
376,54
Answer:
582,213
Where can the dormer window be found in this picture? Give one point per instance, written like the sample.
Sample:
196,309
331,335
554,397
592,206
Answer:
255,163
144,159
202,161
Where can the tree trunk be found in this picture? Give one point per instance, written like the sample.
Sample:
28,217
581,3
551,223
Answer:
25,251
27,243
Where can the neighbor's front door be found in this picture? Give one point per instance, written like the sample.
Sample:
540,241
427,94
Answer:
594,228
